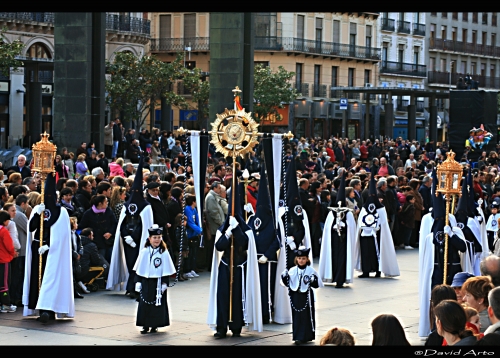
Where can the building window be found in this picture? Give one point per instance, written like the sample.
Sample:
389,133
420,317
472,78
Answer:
262,63
432,63
401,16
454,15
350,77
465,16
385,54
484,39
416,18
464,35
433,32
317,77
433,13
443,65
443,32
454,34
38,50
485,18
190,65
368,36
483,69
463,66
352,33
492,71
416,51
401,53
189,26
300,26
298,76
335,76
368,76
319,33
444,15
473,68
493,39
474,17
493,19
336,31
165,26
474,37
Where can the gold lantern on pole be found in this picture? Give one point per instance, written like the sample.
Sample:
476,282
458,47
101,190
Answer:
44,155
449,174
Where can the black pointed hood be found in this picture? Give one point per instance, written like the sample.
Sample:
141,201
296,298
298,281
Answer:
237,209
372,197
461,213
264,208
471,205
438,212
136,203
341,191
294,203
52,208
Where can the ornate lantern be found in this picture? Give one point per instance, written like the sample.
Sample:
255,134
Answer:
449,174
44,155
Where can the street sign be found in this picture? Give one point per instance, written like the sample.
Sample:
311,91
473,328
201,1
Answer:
343,103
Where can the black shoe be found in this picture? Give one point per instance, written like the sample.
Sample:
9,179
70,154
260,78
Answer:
238,334
133,295
153,330
298,343
340,286
44,317
145,330
220,335
77,294
364,275
377,274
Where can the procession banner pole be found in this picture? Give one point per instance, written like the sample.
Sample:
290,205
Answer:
42,217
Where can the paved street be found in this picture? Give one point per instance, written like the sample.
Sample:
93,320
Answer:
108,318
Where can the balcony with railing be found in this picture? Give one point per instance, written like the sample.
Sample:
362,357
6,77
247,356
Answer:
125,23
404,27
341,94
436,77
419,107
179,44
388,24
400,68
464,47
419,29
47,17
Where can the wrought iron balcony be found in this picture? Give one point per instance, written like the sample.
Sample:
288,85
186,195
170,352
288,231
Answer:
128,24
388,24
444,78
179,44
29,16
419,107
419,29
464,47
402,106
268,43
404,27
400,68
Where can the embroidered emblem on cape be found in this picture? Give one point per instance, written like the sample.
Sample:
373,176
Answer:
132,209
297,210
281,203
257,223
439,236
157,262
306,279
493,223
371,208
461,225
46,215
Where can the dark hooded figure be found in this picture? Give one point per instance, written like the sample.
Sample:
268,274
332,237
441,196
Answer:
339,237
294,225
56,293
135,219
267,243
245,309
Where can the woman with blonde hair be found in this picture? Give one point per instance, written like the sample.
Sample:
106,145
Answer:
81,166
337,337
117,200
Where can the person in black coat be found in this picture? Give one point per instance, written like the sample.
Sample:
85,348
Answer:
161,216
83,194
20,167
90,258
425,191
174,207
103,162
103,222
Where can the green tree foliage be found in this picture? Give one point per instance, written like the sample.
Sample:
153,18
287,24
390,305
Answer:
8,53
272,90
136,82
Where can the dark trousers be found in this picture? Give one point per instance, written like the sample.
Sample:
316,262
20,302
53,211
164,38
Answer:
190,263
17,278
107,150
5,283
406,234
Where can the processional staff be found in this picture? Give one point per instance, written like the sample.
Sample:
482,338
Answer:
234,133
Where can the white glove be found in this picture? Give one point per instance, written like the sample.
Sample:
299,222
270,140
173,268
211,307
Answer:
479,218
248,208
138,287
262,259
448,231
291,243
40,209
163,287
233,222
43,249
130,241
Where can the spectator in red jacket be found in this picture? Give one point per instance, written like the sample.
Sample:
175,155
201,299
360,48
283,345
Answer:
364,151
7,253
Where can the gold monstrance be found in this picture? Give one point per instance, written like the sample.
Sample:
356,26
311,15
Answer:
44,154
449,174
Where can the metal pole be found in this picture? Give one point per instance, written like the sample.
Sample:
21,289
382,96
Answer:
231,274
445,272
42,215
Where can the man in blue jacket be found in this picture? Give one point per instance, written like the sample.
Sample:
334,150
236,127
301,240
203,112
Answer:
193,233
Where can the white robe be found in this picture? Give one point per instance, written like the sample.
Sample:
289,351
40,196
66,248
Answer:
56,293
145,265
252,304
118,272
426,268
325,258
387,263
282,309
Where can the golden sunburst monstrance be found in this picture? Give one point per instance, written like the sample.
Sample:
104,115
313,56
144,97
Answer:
234,132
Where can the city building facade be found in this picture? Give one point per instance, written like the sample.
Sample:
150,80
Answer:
124,32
